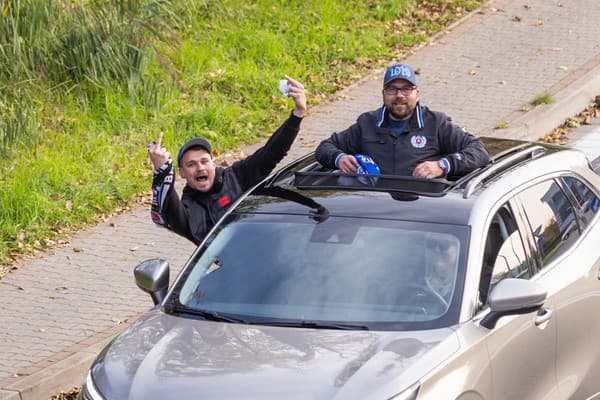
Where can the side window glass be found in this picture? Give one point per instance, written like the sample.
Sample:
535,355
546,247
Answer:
504,253
511,260
551,219
588,201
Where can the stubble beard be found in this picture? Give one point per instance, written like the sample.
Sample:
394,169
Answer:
407,113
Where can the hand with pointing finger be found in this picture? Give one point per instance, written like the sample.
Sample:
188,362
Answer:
158,154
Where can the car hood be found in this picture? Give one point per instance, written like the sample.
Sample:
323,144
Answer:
162,356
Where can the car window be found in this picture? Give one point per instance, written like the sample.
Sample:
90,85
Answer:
341,269
551,219
588,202
504,253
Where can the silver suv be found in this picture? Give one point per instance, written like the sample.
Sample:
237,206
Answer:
318,285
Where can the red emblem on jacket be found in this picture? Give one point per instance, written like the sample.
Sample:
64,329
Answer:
224,201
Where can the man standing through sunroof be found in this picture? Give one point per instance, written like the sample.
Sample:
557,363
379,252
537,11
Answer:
404,137
211,190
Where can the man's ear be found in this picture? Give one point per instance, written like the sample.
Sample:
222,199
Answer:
181,173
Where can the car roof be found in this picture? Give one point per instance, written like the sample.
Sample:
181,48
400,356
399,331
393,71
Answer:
304,185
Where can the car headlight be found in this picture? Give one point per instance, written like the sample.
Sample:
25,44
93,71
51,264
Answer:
408,394
89,391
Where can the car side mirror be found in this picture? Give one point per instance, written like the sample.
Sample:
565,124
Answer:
513,296
152,276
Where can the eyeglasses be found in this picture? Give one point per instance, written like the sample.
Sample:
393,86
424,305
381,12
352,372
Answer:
405,90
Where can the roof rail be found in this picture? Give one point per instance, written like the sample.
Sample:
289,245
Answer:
499,166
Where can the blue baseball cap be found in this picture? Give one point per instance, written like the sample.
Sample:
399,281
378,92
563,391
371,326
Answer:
367,165
399,71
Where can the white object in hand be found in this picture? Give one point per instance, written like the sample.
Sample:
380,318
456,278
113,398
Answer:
284,87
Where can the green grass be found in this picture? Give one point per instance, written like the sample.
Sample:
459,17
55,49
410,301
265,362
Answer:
542,98
86,85
501,125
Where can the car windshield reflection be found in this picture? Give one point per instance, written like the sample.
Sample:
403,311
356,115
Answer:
276,269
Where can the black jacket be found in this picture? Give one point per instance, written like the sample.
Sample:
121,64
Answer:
197,212
430,135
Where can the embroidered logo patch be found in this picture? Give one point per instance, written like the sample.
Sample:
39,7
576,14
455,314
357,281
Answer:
224,200
418,141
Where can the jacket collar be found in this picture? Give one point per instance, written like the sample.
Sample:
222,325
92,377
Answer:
417,116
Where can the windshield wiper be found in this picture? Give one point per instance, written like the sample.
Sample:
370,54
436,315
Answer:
216,316
317,325
206,314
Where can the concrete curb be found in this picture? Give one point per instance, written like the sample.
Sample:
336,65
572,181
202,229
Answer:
571,96
59,376
55,378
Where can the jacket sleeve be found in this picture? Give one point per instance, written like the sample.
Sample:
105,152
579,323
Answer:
464,152
257,166
347,141
167,209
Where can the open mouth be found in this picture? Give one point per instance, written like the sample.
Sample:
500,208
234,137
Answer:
201,178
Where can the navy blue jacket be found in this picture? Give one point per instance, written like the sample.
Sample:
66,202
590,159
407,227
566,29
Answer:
429,136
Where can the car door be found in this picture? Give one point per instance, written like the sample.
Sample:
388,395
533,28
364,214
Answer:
566,240
521,348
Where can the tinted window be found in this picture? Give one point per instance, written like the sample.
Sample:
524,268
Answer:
551,219
349,270
588,202
504,254
511,261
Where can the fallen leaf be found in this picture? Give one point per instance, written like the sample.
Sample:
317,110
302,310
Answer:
69,205
539,22
472,72
517,18
78,249
134,248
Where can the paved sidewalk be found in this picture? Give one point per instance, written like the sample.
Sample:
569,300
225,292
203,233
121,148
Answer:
58,310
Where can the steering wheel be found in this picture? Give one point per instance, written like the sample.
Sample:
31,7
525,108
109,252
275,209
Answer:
422,292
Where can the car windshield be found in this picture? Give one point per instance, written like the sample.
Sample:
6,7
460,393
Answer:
276,269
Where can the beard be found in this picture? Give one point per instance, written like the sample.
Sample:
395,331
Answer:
400,113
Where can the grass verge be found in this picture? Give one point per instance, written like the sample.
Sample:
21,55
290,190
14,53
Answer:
90,90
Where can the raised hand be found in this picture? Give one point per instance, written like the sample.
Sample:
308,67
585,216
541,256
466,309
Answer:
297,92
158,154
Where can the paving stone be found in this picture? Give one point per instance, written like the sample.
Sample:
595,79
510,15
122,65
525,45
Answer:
481,72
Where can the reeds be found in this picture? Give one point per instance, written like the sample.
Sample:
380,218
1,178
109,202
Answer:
50,46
